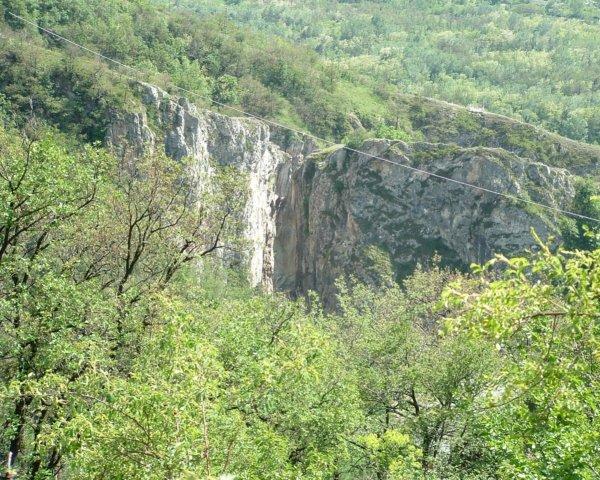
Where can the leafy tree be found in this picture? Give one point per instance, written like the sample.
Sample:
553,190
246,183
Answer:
248,387
543,316
226,90
411,379
393,455
84,245
579,233
386,131
43,311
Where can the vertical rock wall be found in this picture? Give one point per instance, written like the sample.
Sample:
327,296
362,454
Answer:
207,137
312,216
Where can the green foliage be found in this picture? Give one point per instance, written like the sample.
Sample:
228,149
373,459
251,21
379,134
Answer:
356,139
536,61
394,453
226,90
207,55
412,380
247,387
579,233
43,310
392,133
35,81
542,314
85,244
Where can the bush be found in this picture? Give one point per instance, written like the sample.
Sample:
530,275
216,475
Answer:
392,133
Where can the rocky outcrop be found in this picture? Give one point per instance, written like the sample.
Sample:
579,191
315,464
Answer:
183,130
443,122
343,204
313,215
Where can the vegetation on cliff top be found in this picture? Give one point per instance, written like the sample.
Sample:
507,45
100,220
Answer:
537,61
372,54
209,56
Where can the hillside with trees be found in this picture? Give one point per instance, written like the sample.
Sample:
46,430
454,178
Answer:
209,56
532,60
133,344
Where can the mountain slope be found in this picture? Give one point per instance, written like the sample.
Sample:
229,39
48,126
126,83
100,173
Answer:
533,60
210,56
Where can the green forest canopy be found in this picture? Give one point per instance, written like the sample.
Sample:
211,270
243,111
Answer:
538,61
207,55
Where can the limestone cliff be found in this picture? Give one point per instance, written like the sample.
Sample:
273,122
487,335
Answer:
183,130
342,203
312,215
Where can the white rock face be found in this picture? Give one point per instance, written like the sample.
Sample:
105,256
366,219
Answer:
207,137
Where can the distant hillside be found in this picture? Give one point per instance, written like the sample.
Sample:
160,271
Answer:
208,55
538,61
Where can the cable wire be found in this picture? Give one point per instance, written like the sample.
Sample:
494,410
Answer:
303,133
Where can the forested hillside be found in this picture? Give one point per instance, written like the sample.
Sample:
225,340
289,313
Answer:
189,295
533,60
210,56
537,62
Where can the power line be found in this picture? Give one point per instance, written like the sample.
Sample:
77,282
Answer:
307,134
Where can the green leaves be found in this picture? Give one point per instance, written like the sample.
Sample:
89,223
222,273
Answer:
249,388
86,251
544,315
580,233
412,380
393,454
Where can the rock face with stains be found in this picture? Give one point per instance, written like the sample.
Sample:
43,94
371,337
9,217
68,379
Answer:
342,204
183,130
314,215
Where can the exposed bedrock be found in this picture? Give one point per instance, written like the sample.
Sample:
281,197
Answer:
312,215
